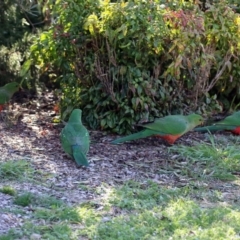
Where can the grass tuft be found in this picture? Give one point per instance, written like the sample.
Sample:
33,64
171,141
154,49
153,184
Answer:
15,170
134,196
28,198
58,214
8,190
9,236
54,231
217,159
24,199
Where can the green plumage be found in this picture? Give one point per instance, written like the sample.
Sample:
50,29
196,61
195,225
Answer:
214,128
229,123
172,125
75,138
7,91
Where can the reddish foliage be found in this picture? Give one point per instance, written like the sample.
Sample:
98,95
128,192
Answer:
185,19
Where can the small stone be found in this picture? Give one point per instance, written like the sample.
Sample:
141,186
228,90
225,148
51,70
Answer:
35,236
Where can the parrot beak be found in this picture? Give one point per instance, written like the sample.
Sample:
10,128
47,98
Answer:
20,89
203,122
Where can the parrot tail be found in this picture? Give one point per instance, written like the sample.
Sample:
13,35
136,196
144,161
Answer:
79,156
142,134
215,128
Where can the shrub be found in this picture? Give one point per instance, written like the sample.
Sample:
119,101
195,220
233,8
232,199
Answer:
17,20
125,61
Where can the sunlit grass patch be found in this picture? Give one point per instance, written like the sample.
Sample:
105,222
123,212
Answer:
15,170
133,195
8,190
217,159
179,219
60,221
52,231
134,211
190,220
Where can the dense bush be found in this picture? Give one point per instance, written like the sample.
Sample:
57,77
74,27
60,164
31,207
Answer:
17,21
125,61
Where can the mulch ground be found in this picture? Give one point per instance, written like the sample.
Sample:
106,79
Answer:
30,134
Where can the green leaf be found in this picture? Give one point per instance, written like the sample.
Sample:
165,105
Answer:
25,68
103,122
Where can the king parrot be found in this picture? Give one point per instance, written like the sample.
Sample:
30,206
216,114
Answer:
169,128
6,92
75,138
230,123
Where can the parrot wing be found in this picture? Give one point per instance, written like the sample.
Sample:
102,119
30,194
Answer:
142,134
4,97
233,120
66,141
7,91
79,156
172,124
215,128
229,124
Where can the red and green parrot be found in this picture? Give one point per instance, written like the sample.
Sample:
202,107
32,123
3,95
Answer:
230,123
169,128
6,92
75,138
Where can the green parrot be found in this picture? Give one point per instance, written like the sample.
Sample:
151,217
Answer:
75,138
7,91
169,128
230,123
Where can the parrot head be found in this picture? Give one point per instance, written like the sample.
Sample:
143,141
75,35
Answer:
12,87
76,115
196,119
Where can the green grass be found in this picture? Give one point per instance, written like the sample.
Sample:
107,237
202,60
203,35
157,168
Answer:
9,236
27,198
58,214
48,202
15,170
52,231
199,209
134,211
8,190
135,196
219,159
178,220
24,199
